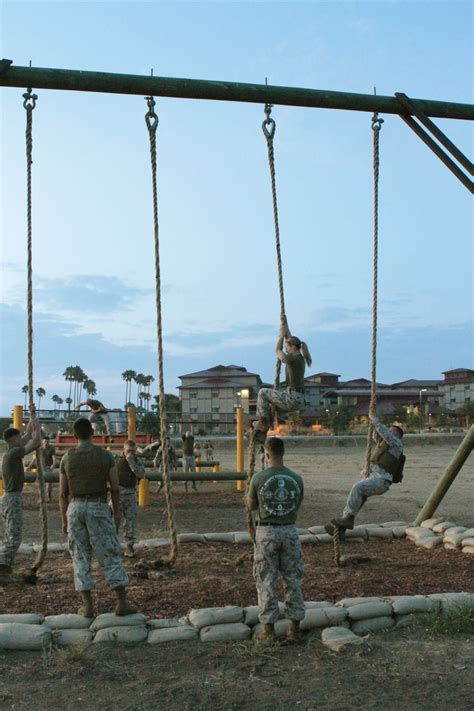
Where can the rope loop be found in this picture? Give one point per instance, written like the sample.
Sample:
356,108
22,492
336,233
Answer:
30,100
151,117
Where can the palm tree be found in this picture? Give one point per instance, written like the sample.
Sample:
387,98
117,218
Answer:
128,376
68,402
55,399
69,376
139,381
147,398
60,402
24,390
79,378
41,392
89,387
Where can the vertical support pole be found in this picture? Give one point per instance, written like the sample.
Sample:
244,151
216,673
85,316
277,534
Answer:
452,470
198,459
239,412
132,422
144,493
18,417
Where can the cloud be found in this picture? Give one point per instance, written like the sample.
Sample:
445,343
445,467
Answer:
81,293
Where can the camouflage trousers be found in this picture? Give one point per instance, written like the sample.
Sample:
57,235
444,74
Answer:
12,514
278,550
91,528
374,485
129,511
96,416
283,400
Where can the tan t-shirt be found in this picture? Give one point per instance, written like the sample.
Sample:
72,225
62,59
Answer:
13,472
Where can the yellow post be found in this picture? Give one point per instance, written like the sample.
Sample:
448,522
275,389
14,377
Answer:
239,412
132,422
18,417
144,493
216,468
198,459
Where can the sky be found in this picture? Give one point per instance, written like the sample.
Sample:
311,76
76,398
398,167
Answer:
94,298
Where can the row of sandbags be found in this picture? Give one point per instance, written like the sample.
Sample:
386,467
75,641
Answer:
435,532
231,623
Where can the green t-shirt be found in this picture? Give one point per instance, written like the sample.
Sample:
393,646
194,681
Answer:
47,455
294,371
13,473
96,405
279,493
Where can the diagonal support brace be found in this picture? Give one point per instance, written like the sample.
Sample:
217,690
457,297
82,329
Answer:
410,110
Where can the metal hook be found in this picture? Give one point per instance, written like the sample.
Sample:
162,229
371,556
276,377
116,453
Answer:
30,100
151,117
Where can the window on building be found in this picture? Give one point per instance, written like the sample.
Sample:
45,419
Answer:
215,393
193,409
193,395
215,409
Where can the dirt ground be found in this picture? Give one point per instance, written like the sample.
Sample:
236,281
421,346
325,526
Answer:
395,670
206,576
329,470
407,670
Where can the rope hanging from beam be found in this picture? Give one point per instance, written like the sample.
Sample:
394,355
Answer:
151,120
29,104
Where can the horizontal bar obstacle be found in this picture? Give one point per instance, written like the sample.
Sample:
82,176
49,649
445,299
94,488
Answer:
53,478
111,83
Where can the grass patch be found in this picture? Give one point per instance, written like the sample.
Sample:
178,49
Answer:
454,621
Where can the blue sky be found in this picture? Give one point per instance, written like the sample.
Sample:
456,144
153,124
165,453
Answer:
93,253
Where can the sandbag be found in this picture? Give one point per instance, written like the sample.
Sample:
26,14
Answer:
399,531
191,538
308,538
414,618
123,635
349,601
110,619
16,635
208,616
173,634
242,537
407,604
219,537
69,638
25,618
323,617
280,629
394,524
367,610
338,638
374,624
443,526
225,633
451,600
430,522
429,542
155,542
468,549
163,624
67,621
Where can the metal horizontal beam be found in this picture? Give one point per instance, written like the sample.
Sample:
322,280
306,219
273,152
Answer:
106,82
157,476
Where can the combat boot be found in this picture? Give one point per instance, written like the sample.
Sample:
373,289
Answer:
267,633
87,608
346,521
329,528
294,631
129,551
123,608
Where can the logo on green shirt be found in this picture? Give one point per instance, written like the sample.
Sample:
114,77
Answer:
280,495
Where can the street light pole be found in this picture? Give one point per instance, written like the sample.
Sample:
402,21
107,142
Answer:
423,390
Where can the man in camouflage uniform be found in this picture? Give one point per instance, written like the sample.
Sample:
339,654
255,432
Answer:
277,494
13,475
189,457
385,461
46,454
86,471
98,412
130,468
291,397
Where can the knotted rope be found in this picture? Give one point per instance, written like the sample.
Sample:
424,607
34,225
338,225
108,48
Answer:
29,104
376,128
269,129
151,120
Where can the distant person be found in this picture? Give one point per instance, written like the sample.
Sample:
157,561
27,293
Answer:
46,454
276,494
152,447
386,468
98,412
291,397
86,472
172,461
209,449
13,476
189,459
130,469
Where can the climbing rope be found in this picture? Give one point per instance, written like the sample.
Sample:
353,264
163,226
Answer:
29,104
269,129
151,120
376,128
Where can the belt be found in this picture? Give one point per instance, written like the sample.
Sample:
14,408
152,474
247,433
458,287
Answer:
268,523
96,499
